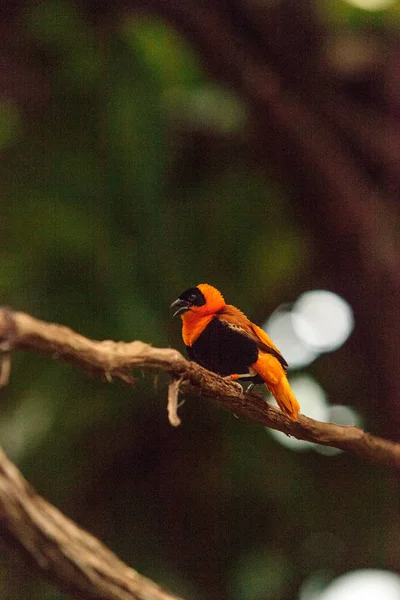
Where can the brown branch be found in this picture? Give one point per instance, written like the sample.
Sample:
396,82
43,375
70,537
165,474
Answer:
63,552
117,359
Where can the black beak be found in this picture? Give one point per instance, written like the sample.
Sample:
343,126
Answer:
182,305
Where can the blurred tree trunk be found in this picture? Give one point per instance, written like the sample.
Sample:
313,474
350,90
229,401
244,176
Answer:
335,137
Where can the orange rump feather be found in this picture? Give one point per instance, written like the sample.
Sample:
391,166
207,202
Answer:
272,372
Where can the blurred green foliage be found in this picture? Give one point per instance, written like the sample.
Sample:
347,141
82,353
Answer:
113,204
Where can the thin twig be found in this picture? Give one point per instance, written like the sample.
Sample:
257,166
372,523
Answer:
6,345
172,408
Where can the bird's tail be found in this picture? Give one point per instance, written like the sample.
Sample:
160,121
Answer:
283,394
274,376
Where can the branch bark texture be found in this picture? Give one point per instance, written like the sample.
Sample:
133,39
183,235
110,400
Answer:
111,359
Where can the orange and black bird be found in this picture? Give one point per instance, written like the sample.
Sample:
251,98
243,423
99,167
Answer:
222,339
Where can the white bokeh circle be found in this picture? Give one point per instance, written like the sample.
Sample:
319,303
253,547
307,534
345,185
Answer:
365,584
322,319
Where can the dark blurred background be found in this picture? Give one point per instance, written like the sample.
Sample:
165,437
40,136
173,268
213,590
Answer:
147,147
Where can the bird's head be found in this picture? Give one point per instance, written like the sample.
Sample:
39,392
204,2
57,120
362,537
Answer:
203,299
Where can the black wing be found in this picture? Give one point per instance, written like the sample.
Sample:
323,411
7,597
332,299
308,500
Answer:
224,349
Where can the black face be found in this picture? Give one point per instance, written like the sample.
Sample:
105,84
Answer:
190,297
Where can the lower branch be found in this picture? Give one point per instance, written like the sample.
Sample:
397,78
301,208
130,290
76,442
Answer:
63,552
117,359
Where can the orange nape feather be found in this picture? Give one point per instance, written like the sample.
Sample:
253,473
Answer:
214,299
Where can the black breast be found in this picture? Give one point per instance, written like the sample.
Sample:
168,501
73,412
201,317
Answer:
223,350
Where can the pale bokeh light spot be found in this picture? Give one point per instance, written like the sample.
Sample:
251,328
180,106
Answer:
280,327
371,5
25,428
323,320
319,321
312,587
341,415
313,403
344,415
364,584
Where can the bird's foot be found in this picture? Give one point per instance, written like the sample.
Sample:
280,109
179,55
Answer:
245,377
233,379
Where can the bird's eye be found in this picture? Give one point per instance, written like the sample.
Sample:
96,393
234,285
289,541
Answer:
192,297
